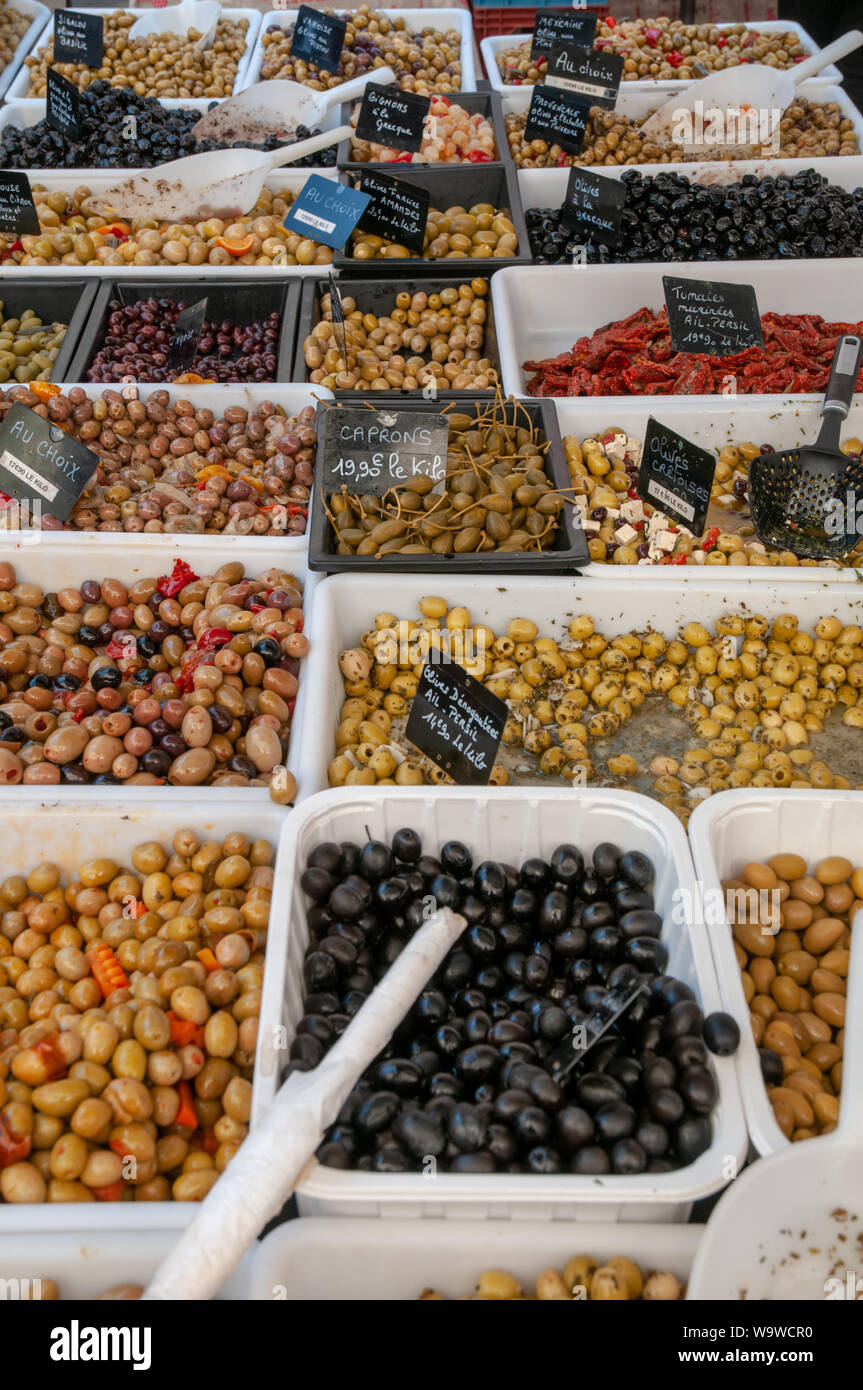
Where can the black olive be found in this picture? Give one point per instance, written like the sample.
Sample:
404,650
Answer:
590,1161
464,1001
698,1088
377,1113
391,1160
449,1039
632,900
771,1066
666,1105
570,943
490,979
407,846
646,953
319,970
622,977
456,970
523,905
689,1052
456,859
305,1048
316,1026
659,1072
637,868
467,1127
513,936
484,1096
353,1001
473,910
692,1138
477,1026
344,1134
580,972
574,1127
553,913
428,866
423,1057
432,1007
594,1090
345,902
606,858
641,922
531,1126
683,1020
613,1122
482,1162
597,914
479,1063
342,951
399,1075
440,1106
721,1034
376,861
628,1157
604,943
591,889
482,942
392,894
534,873
419,1133
653,1137
446,891
334,1156
508,1104
546,1092
626,1070
489,881
650,1036
544,1160
506,1031
106,678
443,1083
501,1144
537,972
567,865
322,1003
350,856
670,991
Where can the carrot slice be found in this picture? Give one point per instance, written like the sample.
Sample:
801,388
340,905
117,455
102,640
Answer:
113,1192
106,969
186,1114
236,248
44,389
207,959
184,1031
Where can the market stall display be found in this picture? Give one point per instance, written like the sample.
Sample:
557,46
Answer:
466,128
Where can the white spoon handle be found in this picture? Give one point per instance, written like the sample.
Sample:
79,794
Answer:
847,44
357,86
289,153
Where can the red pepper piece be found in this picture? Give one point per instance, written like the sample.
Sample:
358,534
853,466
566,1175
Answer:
13,1147
112,1193
652,37
55,1062
610,21
180,576
479,157
186,1114
675,58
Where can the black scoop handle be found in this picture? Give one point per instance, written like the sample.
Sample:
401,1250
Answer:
840,389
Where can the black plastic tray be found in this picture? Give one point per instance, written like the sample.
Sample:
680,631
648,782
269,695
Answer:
464,185
245,300
374,296
487,103
55,301
568,552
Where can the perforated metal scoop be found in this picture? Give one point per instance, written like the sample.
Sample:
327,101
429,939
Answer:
805,500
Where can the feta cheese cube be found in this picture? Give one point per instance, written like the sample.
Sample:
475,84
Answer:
666,540
627,535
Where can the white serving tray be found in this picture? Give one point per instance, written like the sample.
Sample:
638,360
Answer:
86,1263
509,823
541,311
96,179
735,828
40,15
19,88
396,1259
495,44
416,20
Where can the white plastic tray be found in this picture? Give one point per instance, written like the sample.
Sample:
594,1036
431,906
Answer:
367,1259
269,550
67,561
95,179
28,113
66,831
736,827
20,87
728,421
415,20
490,48
86,1263
40,15
345,609
541,311
510,823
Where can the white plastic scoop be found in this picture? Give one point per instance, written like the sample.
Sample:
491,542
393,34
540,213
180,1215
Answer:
222,183
202,15
791,1226
278,108
749,87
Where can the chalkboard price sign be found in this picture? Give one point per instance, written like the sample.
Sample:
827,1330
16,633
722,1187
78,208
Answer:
187,335
374,450
78,38
326,211
594,205
561,26
17,209
712,317
596,76
393,118
558,117
676,476
456,722
398,210
62,104
39,463
319,38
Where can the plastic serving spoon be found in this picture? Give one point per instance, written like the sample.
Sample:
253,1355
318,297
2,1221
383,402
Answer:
790,1224
222,183
202,15
751,86
279,108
